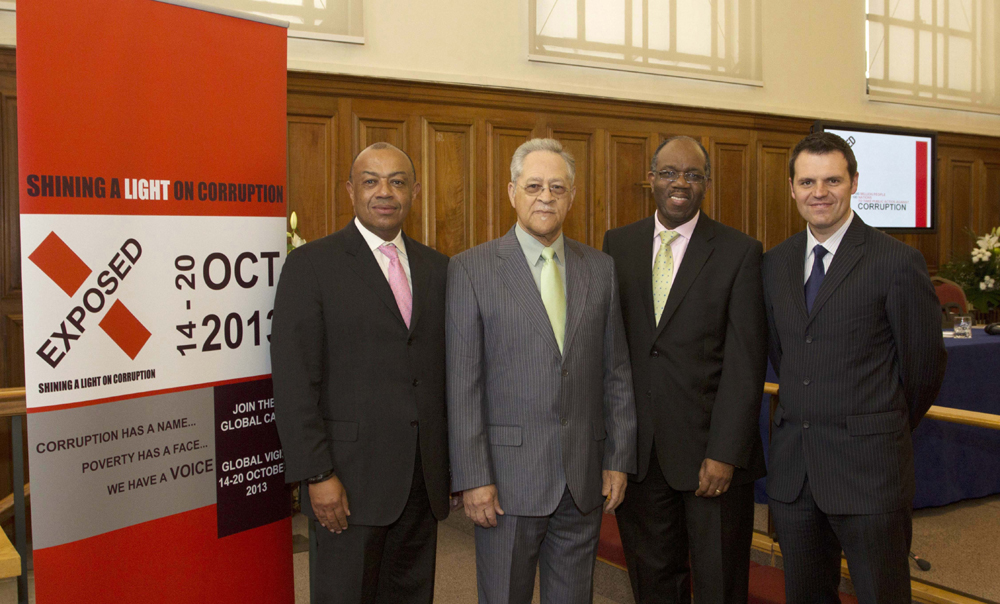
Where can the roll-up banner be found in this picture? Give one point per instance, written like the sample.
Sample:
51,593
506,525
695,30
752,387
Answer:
151,148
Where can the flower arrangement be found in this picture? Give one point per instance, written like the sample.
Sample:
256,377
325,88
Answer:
979,275
294,240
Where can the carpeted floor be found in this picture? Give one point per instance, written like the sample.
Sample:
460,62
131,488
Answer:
962,542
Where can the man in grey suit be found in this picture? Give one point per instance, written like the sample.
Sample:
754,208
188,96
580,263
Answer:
855,338
541,415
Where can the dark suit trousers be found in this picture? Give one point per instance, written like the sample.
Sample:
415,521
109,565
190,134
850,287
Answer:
877,547
659,526
563,546
381,564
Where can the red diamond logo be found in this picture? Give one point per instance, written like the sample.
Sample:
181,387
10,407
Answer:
61,264
124,329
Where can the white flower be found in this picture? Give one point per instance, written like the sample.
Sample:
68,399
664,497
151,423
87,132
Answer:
293,221
987,283
980,255
297,241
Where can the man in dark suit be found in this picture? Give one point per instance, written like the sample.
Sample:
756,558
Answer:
855,339
694,314
357,354
540,407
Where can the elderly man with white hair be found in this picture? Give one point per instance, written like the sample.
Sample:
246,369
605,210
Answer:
541,415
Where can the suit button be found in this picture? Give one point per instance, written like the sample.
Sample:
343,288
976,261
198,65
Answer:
413,424
809,339
409,341
565,372
806,381
655,353
416,382
564,421
805,425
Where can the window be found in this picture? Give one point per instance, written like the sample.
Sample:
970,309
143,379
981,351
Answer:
705,39
933,52
337,20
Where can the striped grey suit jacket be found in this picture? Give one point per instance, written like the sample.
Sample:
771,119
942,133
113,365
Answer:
857,373
520,414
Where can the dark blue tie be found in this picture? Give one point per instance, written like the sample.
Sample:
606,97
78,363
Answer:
815,277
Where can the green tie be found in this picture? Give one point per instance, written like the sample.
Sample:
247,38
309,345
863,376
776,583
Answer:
554,296
663,272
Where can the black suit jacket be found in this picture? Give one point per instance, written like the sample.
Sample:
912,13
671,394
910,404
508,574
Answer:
699,374
857,373
353,386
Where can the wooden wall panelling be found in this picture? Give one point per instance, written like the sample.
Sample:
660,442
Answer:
957,213
449,185
581,144
731,185
501,140
11,252
989,201
11,327
777,216
312,173
629,196
14,345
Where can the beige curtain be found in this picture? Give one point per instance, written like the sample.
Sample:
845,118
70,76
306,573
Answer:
705,39
941,53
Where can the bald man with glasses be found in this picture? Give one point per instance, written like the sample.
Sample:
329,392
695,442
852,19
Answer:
693,306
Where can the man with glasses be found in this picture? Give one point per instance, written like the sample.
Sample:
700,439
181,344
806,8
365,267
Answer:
541,417
692,300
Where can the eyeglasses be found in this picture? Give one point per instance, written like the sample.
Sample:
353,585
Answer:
695,178
535,189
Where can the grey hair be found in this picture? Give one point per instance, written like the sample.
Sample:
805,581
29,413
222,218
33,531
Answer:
708,162
540,144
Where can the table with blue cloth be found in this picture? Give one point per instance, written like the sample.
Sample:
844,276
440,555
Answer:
951,461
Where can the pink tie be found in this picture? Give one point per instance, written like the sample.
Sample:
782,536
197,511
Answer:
397,281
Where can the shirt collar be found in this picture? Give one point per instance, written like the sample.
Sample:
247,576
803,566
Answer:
832,243
374,241
685,230
532,247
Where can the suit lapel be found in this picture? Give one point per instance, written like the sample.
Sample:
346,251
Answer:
796,271
848,254
516,276
578,275
419,276
368,270
698,251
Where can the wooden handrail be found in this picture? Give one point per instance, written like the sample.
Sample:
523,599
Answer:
960,416
12,401
7,503
944,414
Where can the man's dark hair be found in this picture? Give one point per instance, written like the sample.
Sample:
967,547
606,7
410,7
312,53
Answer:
708,162
821,143
377,146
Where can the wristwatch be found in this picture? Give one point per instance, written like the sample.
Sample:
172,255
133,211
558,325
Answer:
320,477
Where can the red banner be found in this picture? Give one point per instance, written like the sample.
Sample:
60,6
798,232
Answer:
152,182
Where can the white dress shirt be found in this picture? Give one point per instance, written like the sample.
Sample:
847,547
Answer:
680,243
374,242
830,244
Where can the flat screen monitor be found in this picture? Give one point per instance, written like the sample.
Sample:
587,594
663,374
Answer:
896,183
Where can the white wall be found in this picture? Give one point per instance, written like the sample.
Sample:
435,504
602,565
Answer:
814,61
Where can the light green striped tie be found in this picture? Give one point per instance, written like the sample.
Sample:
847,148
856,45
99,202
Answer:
663,272
554,296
